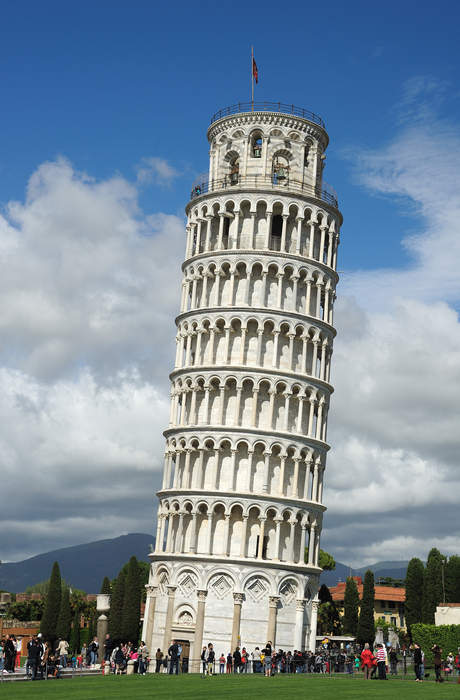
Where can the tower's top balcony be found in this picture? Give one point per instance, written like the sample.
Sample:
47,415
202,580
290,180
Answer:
278,107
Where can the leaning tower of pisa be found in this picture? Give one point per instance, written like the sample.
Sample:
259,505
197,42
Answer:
240,508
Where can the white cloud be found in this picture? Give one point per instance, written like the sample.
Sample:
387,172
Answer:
156,170
393,471
88,292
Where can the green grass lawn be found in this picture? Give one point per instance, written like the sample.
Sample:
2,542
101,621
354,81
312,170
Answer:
193,687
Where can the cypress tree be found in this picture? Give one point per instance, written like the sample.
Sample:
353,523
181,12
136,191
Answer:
116,608
415,575
65,616
132,603
351,607
106,588
432,588
366,629
52,605
75,645
452,579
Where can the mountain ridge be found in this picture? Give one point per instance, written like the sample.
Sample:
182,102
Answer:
85,565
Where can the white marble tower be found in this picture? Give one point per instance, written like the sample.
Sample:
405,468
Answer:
246,444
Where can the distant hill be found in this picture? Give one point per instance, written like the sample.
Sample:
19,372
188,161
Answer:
83,566
382,569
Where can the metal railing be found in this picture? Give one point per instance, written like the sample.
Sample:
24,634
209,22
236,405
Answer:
237,181
279,107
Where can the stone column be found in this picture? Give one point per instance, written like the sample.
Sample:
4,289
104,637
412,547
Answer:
313,625
149,615
237,603
299,616
199,627
169,617
103,607
283,233
273,601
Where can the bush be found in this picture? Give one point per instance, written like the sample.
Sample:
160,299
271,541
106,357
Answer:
446,636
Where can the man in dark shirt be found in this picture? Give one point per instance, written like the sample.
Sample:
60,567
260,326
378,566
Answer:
173,652
33,656
418,660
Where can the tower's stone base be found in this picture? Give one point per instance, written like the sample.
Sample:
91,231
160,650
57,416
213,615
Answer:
228,604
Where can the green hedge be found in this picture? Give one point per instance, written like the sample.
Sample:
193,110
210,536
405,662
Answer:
446,636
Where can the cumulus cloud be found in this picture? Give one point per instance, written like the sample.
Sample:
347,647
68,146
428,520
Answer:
88,295
393,472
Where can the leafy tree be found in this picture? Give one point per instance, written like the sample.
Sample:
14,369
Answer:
65,616
328,615
326,560
432,585
116,607
92,627
52,605
75,645
106,587
415,576
452,579
351,607
132,602
366,614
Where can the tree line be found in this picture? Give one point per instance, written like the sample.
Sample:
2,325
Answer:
63,609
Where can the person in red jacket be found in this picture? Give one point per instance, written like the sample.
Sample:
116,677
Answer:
367,661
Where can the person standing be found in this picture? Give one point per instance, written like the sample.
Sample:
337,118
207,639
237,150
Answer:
173,652
203,657
418,662
93,647
108,647
33,657
268,659
367,658
381,662
229,662
63,649
222,663
437,661
158,660
393,661
237,660
210,659
143,653
10,654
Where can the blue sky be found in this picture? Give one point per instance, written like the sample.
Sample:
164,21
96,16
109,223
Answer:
104,111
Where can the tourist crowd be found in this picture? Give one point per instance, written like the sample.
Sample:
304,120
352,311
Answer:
48,660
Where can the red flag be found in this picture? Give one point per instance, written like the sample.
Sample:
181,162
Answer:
255,72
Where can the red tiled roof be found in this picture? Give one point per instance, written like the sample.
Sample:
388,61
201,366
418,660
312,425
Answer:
381,592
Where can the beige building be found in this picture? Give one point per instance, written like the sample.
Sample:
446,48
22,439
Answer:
447,614
389,601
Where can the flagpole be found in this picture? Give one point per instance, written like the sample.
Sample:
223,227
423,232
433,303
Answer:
252,79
